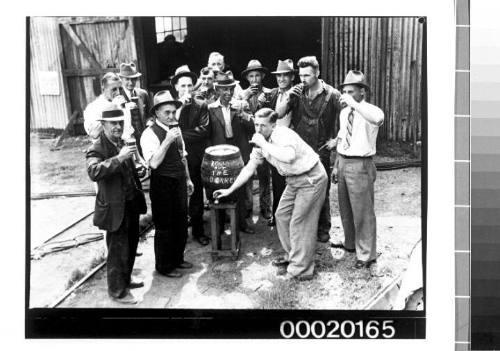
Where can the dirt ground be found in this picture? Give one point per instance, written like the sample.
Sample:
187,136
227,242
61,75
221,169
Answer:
250,281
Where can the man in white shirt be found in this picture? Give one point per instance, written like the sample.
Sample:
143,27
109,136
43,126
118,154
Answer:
301,202
164,151
111,86
355,170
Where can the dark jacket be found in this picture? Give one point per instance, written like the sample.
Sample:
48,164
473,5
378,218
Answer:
144,105
194,121
242,130
104,168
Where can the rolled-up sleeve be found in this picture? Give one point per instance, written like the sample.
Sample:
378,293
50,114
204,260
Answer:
149,144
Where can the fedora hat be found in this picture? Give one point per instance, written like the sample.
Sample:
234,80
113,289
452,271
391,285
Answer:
225,79
164,97
285,66
128,70
183,71
254,65
355,78
111,113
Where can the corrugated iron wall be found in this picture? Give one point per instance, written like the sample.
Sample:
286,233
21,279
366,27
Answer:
47,111
389,52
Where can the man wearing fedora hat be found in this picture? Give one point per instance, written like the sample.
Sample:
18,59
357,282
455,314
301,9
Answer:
119,201
163,149
285,74
193,121
355,170
255,74
314,105
135,96
231,124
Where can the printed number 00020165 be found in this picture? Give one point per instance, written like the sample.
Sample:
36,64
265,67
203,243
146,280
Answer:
333,329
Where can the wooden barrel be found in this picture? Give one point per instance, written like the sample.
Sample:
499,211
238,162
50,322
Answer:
220,166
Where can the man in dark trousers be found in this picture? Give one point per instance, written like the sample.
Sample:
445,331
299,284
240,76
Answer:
119,202
315,107
285,74
230,124
165,153
193,121
355,170
254,74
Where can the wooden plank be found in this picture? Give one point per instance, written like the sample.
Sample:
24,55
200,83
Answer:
91,20
81,46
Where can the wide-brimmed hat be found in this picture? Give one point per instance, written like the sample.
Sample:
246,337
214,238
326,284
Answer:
111,113
183,71
128,70
285,66
164,97
254,65
355,78
225,79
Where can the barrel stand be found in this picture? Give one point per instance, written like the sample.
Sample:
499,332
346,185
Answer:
215,227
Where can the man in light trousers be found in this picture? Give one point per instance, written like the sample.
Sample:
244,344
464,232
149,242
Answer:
300,205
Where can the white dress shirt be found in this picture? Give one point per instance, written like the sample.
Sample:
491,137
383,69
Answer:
150,143
364,134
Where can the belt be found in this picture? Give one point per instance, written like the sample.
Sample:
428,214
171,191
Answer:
301,174
355,157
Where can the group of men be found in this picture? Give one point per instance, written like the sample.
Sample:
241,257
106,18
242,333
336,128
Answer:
285,136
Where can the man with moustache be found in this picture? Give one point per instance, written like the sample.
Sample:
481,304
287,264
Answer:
230,124
254,74
193,121
355,170
285,75
119,201
164,151
314,106
111,86
131,92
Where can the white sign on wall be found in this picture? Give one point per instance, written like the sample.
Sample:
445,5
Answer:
49,83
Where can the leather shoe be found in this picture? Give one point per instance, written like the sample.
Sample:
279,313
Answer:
135,283
279,262
172,274
360,264
323,237
185,265
266,214
341,246
138,253
202,239
127,299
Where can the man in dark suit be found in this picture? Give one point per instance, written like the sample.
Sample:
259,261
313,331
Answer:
193,121
136,98
119,202
230,124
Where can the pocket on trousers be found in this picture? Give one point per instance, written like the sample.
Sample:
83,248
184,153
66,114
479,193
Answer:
101,212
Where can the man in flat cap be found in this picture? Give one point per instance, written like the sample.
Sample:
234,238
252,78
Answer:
164,151
315,107
355,170
192,116
119,201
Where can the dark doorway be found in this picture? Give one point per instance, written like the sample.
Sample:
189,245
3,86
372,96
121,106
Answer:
239,39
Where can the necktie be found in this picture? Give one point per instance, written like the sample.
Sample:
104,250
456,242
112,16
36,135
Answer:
348,137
